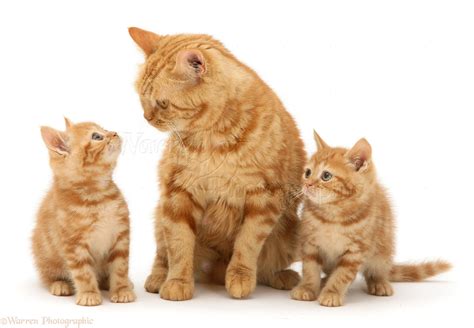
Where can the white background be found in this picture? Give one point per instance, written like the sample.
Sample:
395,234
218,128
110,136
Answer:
400,73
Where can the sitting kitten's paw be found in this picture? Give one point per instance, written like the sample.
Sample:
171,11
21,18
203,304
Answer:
123,295
285,279
154,282
303,293
61,288
240,281
177,290
330,299
381,288
89,299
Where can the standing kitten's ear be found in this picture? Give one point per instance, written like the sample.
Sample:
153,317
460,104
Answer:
55,140
319,141
190,63
144,39
359,156
68,123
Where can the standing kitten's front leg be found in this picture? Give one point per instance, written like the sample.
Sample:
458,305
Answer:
80,265
261,212
179,212
121,289
308,288
340,279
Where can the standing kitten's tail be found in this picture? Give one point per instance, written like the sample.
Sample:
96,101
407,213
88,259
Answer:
417,272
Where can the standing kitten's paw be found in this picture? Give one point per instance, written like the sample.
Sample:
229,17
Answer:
154,282
330,299
240,281
285,279
89,299
380,288
123,295
304,293
61,288
177,290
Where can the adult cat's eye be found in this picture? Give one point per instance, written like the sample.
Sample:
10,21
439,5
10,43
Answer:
326,176
97,136
163,103
307,173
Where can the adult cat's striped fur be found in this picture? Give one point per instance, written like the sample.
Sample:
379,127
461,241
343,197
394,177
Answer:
348,227
228,173
81,238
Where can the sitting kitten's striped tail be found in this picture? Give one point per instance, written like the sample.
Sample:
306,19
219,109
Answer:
417,272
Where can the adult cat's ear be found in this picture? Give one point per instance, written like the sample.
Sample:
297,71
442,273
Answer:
190,64
55,140
68,123
146,40
319,141
359,156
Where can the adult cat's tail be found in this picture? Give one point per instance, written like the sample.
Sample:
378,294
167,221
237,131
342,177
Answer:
417,272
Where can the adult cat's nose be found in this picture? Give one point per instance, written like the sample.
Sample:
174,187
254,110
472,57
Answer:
148,115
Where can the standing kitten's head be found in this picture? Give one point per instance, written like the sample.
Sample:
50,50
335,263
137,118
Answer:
84,149
184,79
337,174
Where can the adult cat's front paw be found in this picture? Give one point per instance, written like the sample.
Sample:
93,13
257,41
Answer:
88,298
123,295
177,290
154,282
304,293
330,299
240,281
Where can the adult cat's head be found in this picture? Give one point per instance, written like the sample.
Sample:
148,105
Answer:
83,150
186,79
334,175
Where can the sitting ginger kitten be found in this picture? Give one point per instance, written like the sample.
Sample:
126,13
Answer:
81,239
348,227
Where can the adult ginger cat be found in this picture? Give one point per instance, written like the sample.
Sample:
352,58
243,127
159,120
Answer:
347,227
228,173
81,238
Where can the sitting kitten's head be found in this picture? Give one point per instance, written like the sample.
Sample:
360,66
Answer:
184,78
337,174
84,149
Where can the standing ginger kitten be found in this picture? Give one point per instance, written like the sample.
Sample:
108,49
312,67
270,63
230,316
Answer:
348,227
81,239
231,164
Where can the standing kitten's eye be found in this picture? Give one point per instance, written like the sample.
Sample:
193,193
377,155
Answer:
307,173
97,136
326,176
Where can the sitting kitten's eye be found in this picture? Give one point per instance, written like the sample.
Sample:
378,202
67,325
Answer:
326,176
307,173
97,136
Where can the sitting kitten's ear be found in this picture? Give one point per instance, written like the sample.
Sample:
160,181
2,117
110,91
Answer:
68,123
190,64
359,156
144,39
55,140
319,141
